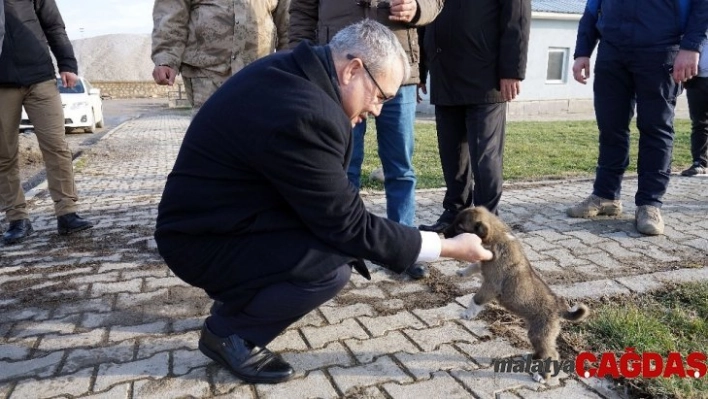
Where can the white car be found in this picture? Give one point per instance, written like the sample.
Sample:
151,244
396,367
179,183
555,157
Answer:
83,107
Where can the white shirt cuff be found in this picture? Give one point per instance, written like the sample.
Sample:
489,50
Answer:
430,247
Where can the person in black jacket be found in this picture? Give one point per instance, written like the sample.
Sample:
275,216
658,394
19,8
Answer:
258,210
28,77
476,53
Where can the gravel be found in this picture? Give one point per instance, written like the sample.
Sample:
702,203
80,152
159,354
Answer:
115,58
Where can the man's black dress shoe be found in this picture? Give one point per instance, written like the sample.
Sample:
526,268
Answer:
71,223
443,222
437,227
417,271
18,231
246,361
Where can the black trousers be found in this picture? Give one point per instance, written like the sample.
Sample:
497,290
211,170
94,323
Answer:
697,95
471,146
277,306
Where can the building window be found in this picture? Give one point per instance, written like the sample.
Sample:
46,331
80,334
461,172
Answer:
557,65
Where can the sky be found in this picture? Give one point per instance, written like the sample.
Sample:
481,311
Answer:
88,18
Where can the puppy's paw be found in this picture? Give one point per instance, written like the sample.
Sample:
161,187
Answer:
473,268
472,310
538,378
468,315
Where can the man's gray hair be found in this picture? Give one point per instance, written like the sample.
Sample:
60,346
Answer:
374,43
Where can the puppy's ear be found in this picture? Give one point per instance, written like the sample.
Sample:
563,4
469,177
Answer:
481,229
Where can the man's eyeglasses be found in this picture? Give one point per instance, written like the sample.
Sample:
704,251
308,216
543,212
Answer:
384,98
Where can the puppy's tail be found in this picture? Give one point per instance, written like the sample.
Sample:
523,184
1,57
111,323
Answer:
577,313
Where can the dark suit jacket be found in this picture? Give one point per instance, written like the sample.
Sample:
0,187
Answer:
259,191
471,45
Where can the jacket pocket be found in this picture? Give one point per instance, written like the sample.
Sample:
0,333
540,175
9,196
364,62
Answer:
414,52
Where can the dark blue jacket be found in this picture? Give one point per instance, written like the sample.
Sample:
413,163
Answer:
32,27
653,25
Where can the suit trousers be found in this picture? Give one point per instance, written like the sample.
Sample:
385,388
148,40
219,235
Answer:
625,79
275,307
43,105
471,147
697,95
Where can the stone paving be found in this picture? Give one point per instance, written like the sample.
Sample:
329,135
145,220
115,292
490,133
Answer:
99,315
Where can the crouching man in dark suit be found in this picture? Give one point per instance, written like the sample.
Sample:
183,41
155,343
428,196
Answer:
258,210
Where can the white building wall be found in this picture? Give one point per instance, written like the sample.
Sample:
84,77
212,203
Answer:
555,33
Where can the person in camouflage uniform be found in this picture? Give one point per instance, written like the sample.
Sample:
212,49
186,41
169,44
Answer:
207,41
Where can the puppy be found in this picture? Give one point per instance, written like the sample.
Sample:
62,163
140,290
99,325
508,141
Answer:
510,280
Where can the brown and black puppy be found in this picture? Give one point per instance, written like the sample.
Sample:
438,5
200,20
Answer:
510,280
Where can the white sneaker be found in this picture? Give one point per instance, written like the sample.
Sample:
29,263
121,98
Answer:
648,220
594,206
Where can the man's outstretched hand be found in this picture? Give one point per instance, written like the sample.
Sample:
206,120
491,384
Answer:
466,247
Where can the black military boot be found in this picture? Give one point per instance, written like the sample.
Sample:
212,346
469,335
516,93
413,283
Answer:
71,223
18,231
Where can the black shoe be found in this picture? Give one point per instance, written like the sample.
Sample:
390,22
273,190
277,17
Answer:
246,361
215,307
71,223
437,227
18,231
695,169
443,222
417,271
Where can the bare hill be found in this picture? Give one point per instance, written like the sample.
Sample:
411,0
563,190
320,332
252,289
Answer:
115,58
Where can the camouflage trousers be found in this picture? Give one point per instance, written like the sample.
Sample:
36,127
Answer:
200,87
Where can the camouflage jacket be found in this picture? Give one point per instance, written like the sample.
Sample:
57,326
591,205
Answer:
221,36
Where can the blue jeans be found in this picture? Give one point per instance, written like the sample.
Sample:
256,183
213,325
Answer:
624,79
394,132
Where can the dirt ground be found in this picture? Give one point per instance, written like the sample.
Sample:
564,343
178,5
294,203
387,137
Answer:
115,112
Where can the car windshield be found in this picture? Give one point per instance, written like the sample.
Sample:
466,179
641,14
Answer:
78,88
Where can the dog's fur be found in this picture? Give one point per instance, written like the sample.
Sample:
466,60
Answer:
510,280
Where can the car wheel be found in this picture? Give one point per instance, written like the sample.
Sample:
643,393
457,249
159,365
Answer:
101,122
91,128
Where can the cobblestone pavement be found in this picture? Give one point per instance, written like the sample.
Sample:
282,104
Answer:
98,314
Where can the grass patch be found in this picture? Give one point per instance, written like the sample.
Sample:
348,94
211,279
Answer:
80,164
533,151
670,320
